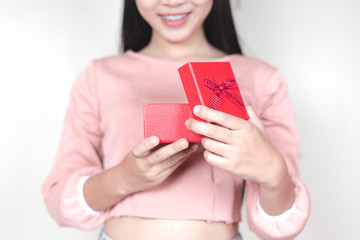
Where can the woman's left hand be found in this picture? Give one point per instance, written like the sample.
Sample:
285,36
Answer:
239,146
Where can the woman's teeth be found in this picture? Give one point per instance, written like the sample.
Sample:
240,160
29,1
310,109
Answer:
174,18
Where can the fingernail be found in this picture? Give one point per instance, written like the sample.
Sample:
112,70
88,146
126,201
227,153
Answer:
183,143
187,123
196,109
194,147
154,140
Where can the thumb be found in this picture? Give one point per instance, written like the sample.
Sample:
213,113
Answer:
143,147
255,120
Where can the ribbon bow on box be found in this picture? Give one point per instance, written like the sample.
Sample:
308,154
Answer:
212,84
222,89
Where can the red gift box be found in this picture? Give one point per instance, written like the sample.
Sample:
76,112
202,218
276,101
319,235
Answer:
167,122
212,84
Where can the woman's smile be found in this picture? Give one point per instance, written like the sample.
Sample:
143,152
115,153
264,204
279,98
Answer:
174,19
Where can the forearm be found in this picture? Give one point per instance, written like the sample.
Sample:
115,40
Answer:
142,169
104,190
277,195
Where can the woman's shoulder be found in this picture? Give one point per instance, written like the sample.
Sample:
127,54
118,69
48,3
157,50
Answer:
123,63
255,74
250,64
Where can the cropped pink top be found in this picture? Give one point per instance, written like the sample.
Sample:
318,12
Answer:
105,120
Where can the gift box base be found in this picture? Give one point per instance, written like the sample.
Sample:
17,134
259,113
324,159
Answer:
167,122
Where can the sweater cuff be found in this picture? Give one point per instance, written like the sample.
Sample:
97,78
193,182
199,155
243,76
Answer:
81,198
282,217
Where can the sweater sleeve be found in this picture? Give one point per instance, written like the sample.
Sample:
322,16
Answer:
277,115
79,154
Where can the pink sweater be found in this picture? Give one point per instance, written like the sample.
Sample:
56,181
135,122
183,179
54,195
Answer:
105,120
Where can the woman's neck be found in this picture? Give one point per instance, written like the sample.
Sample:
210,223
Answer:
196,48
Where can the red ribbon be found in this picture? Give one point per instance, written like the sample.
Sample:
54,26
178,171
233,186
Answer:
223,89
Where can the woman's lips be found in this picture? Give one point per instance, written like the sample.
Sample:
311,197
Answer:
174,20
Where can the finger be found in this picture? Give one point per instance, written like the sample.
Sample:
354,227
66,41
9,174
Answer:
168,151
218,117
164,173
255,120
216,160
209,130
215,147
177,159
143,147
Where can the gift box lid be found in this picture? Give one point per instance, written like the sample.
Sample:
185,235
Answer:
212,84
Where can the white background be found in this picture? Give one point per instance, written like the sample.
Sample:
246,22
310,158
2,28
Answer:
45,44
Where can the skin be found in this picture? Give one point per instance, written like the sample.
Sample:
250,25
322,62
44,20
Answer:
235,147
243,149
183,43
143,168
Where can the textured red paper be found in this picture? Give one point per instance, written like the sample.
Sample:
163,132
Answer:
167,121
193,77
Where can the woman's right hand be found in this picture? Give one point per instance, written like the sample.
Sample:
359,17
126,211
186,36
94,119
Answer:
149,164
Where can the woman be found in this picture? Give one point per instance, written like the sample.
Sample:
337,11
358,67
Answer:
105,172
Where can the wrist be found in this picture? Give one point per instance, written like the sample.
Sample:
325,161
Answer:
120,181
276,195
276,174
81,197
282,186
279,217
277,200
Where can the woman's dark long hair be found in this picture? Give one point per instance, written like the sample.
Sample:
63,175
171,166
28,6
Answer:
218,26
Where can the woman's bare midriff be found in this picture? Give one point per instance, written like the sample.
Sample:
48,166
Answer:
145,229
